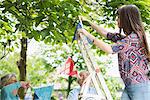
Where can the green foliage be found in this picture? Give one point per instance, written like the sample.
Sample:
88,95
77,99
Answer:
114,86
104,11
54,21
8,65
42,66
40,19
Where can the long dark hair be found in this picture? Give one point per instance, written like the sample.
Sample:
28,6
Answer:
130,21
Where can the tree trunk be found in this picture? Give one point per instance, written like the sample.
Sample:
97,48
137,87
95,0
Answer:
22,64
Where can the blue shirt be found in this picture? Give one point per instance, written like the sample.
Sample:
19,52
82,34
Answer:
73,95
7,91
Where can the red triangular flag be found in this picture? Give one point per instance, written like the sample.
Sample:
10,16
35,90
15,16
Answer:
69,67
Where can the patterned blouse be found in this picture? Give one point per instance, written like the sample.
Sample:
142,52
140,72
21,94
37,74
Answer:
132,58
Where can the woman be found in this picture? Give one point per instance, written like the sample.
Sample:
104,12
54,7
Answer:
132,49
10,87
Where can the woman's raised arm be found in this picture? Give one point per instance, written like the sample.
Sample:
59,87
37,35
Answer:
102,31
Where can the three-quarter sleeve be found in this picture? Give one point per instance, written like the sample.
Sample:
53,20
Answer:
119,44
114,36
119,47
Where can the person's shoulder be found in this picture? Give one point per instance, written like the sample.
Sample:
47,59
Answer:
13,85
76,89
133,35
73,94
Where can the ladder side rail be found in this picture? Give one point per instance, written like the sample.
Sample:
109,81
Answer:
89,67
100,76
95,82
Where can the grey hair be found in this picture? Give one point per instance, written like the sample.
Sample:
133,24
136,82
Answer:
6,78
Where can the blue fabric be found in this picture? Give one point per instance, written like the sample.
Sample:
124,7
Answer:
73,95
7,91
139,91
75,33
79,26
43,93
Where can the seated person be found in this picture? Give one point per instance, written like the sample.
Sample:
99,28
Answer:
10,87
74,94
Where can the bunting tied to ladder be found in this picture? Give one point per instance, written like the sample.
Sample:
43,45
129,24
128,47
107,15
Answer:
75,37
96,78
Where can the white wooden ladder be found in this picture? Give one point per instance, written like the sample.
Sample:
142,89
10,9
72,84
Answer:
95,76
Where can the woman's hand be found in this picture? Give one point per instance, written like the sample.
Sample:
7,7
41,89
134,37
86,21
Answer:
25,84
102,31
83,18
81,31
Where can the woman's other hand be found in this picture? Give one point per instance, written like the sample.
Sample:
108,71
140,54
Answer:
25,84
82,18
81,31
